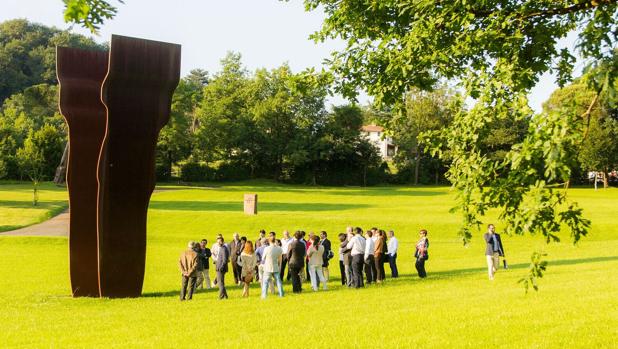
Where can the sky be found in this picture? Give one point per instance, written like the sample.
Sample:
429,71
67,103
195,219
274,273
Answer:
267,33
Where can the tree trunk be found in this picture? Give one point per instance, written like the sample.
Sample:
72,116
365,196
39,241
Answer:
417,164
364,176
61,171
605,179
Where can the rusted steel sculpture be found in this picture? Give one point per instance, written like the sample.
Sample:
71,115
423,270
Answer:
80,74
136,94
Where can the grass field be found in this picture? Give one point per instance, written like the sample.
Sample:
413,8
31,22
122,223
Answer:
16,208
455,307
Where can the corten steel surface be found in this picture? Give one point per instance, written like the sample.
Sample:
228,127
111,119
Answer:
137,93
80,75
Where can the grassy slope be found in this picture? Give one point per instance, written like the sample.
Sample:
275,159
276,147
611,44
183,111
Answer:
16,208
455,307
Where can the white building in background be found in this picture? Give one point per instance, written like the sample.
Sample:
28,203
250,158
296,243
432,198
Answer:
375,134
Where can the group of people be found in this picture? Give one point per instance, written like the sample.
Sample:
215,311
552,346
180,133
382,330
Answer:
362,256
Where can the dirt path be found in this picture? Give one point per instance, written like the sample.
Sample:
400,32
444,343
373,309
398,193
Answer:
56,226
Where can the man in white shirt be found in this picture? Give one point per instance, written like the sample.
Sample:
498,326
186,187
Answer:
272,266
285,246
357,245
393,245
370,265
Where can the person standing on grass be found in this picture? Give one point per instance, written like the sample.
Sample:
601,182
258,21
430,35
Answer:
379,254
357,245
203,253
393,245
223,258
493,250
343,260
421,254
258,241
285,246
235,250
247,262
272,266
188,265
370,266
348,251
296,256
328,254
315,256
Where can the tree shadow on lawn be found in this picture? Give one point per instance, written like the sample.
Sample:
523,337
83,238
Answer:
387,191
446,274
560,262
42,204
262,206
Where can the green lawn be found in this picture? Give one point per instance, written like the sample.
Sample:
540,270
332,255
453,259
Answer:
16,209
456,306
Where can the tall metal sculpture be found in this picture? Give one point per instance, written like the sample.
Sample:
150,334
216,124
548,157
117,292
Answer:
81,73
136,93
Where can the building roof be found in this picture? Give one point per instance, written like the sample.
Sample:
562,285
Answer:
372,128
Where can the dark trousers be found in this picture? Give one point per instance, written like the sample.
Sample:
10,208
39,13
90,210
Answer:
221,283
357,270
236,270
420,267
295,274
379,268
284,261
307,271
342,271
190,280
370,269
392,261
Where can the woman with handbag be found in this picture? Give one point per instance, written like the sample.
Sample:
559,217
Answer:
247,262
421,254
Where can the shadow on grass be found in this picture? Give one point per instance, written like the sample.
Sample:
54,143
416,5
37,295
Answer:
237,206
403,278
387,192
559,262
43,204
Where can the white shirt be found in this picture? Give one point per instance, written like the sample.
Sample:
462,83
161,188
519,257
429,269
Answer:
271,258
214,251
393,244
370,246
285,244
357,245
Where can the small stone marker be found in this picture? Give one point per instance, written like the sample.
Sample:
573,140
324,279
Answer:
251,203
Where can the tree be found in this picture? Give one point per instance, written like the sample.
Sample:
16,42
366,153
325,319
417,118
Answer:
28,54
496,49
423,111
599,152
89,13
175,139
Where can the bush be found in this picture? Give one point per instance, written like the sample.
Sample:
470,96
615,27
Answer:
163,172
232,171
196,172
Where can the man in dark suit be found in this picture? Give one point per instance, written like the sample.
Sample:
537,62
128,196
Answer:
235,247
223,259
327,251
296,261
493,250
